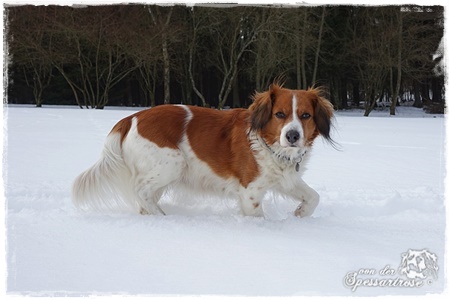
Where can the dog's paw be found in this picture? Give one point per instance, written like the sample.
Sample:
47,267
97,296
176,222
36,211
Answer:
303,211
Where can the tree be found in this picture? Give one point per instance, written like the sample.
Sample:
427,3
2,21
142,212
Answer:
319,42
161,19
424,31
306,29
370,44
199,25
144,51
29,36
231,33
88,51
398,36
268,60
212,55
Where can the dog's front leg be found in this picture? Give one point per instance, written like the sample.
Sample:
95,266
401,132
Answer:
250,200
308,198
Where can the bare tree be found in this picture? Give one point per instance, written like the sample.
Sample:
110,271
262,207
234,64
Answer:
305,27
398,36
270,60
144,51
199,25
91,41
370,46
215,54
29,37
232,32
162,21
301,45
41,76
319,42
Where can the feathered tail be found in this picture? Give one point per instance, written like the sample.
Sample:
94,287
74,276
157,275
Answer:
107,184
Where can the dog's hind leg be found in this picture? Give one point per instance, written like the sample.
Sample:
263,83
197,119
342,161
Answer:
153,168
149,201
151,183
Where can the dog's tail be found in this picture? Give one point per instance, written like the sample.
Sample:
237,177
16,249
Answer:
107,184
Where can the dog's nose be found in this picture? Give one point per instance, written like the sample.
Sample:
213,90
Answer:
292,136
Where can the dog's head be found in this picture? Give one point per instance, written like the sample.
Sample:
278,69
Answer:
291,118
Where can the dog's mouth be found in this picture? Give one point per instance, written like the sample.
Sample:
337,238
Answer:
287,145
292,146
277,143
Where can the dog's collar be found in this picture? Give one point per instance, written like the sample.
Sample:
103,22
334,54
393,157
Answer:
284,157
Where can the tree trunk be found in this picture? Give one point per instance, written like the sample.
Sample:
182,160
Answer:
319,40
417,97
191,61
71,84
425,92
258,68
41,76
356,97
166,70
164,25
303,54
436,88
370,102
223,95
369,109
399,65
298,57
343,93
236,101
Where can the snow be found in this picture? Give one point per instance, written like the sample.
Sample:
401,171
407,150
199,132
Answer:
382,193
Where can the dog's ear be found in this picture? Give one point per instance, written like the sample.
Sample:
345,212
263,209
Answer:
323,114
261,108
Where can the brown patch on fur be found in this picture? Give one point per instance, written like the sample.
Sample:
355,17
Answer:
162,125
255,205
261,108
323,113
219,138
122,127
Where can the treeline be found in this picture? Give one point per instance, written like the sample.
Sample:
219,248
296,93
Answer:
145,55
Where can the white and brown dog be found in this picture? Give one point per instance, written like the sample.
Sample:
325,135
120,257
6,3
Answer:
238,153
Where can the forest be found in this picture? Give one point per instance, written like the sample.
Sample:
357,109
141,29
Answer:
218,56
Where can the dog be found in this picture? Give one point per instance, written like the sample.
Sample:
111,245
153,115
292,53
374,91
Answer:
236,153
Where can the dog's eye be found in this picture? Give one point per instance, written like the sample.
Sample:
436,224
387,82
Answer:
305,116
280,115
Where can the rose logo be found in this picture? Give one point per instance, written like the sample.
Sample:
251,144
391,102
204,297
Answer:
419,264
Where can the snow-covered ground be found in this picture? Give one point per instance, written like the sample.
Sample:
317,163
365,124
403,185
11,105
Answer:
382,195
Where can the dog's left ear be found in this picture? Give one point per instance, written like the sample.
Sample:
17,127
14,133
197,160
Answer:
323,114
261,108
